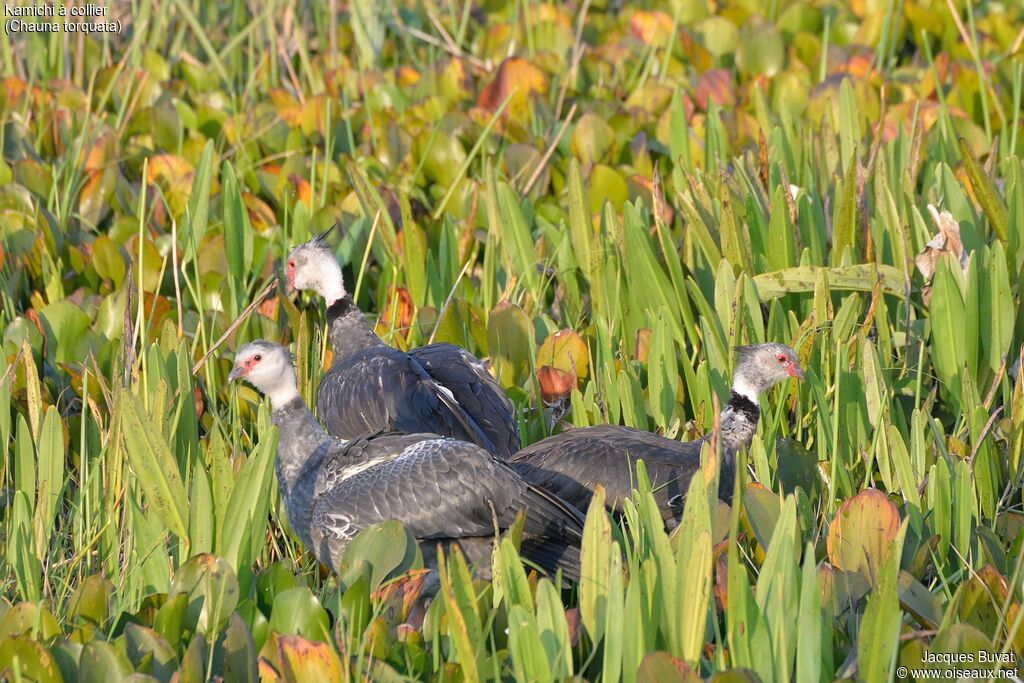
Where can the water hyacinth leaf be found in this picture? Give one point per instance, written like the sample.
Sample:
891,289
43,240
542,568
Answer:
307,660
240,662
92,600
145,646
153,464
862,533
592,139
297,611
386,549
212,589
101,662
565,350
30,658
509,341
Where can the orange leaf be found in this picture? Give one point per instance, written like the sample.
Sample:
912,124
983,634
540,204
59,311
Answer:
716,84
653,28
514,73
862,532
555,384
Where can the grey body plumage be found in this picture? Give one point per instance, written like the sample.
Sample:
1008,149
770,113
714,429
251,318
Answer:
572,463
442,490
438,388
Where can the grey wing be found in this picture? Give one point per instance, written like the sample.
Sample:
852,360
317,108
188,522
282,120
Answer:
442,489
572,463
367,450
388,390
476,391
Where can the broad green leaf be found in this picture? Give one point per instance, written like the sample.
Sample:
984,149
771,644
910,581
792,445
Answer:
153,464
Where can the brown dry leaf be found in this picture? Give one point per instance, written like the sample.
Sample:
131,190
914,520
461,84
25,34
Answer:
514,73
261,216
572,618
947,241
269,308
643,345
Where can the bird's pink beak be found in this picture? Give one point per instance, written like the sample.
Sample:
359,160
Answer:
794,370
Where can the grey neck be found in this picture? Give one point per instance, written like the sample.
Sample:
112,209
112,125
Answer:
736,430
301,448
348,329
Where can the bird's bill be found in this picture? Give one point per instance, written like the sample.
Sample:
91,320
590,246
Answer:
237,372
795,370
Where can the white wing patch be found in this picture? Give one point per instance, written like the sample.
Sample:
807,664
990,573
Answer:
337,526
446,391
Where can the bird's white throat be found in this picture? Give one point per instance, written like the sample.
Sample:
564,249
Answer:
331,286
744,388
283,393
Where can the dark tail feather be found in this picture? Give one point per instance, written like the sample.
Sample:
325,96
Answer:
552,534
551,556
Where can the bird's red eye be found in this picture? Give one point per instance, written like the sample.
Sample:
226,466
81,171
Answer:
258,357
291,263
781,358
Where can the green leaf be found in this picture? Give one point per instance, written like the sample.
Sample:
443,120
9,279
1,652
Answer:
237,231
880,626
212,589
809,623
844,221
594,562
386,549
153,464
985,190
298,611
529,660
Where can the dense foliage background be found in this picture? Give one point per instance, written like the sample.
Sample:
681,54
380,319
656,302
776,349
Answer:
603,199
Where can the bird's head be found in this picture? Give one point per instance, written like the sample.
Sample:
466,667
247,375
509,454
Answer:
267,367
313,266
761,366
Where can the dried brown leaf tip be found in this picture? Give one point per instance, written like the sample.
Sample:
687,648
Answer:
947,241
